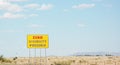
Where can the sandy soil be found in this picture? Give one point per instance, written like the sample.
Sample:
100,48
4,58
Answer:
70,60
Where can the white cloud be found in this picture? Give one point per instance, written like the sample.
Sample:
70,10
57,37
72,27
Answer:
97,0
8,15
13,11
46,7
17,0
39,7
65,10
83,6
36,26
12,16
12,7
10,31
7,6
1,0
32,6
81,25
33,15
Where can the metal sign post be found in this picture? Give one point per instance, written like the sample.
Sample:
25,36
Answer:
45,57
35,57
40,56
29,57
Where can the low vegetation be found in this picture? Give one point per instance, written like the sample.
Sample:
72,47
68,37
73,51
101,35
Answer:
4,60
62,63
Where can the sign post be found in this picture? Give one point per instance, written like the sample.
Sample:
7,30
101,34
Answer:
37,41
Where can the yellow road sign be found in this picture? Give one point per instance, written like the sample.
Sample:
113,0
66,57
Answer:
37,41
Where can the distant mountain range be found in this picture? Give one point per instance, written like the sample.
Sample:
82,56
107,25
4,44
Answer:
97,54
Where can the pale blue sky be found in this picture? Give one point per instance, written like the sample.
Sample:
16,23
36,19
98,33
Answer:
73,25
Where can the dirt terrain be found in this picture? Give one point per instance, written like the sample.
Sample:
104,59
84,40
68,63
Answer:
69,60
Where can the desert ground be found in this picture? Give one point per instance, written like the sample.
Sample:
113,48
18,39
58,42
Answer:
68,60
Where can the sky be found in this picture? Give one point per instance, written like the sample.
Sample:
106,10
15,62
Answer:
72,25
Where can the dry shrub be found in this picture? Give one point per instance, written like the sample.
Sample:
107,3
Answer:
62,63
